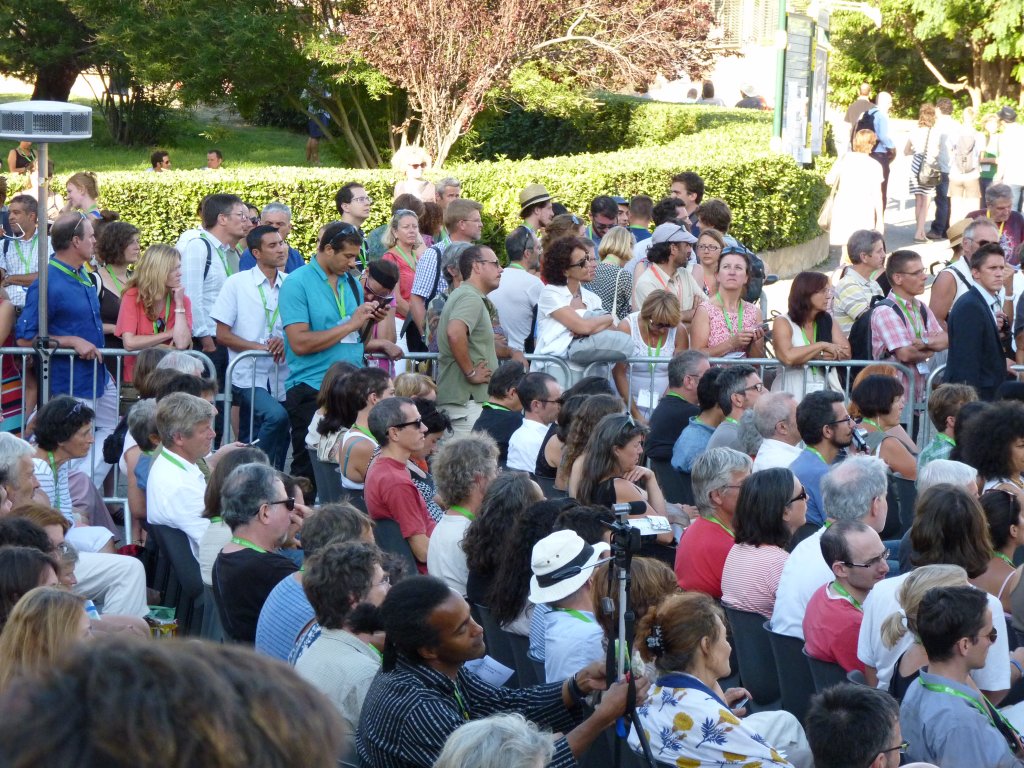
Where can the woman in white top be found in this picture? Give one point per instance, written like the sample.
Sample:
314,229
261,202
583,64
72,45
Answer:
352,397
808,332
564,302
656,332
338,369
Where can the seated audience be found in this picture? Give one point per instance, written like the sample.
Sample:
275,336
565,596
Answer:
1006,531
390,493
949,527
338,369
679,404
693,440
739,387
23,568
463,469
502,413
694,722
498,741
903,622
945,718
287,616
415,385
340,579
176,487
944,403
259,514
540,396
424,692
701,553
44,626
508,497
206,705
437,425
572,635
857,558
935,472
990,445
880,400
650,582
345,437
771,506
586,413
826,429
853,490
775,420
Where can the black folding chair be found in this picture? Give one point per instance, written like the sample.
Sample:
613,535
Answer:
389,538
825,673
499,646
173,544
675,485
328,481
755,657
795,682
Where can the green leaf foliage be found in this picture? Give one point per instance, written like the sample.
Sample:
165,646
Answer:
774,201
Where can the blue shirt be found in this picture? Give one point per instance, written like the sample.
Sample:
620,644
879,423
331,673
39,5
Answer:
538,632
809,469
248,261
307,297
73,310
690,444
284,615
640,233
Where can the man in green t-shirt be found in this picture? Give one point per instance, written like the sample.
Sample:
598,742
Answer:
466,344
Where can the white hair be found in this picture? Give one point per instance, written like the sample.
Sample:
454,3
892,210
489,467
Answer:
498,741
12,449
945,471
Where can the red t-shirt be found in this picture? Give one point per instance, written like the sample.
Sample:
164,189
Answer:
391,495
132,319
406,274
831,628
700,557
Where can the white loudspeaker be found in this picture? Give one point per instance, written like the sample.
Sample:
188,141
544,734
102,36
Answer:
45,121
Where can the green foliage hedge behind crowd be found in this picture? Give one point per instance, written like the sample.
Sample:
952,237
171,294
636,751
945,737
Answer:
775,202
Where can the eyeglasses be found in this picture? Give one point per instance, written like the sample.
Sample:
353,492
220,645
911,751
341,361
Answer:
418,423
874,561
74,232
488,261
919,273
802,496
992,636
558,401
661,326
903,746
362,199
381,296
289,503
709,247
845,420
384,582
759,387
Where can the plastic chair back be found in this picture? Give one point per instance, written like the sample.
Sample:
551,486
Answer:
174,545
389,538
328,481
755,657
825,673
795,682
674,484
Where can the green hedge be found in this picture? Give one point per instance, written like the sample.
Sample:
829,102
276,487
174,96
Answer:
774,201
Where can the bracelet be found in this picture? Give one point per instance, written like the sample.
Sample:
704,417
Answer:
182,311
575,692
1017,666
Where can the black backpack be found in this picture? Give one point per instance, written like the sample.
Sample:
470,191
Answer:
755,283
866,122
860,332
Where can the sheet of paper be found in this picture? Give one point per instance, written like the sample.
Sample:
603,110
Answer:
490,671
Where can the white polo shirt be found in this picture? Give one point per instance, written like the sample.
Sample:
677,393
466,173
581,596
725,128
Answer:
175,496
524,445
248,303
514,298
804,572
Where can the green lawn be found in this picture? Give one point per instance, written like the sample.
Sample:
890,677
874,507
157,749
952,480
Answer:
244,146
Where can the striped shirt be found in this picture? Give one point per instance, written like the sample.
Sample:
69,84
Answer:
410,711
751,576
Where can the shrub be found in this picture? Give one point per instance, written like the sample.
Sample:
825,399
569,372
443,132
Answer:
775,202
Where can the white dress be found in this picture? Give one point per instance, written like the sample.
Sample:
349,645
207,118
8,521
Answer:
648,381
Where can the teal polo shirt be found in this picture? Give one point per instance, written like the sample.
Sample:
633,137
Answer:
307,297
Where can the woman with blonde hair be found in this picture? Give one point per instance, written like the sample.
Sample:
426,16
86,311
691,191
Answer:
900,628
45,624
415,385
146,318
857,203
83,194
404,245
411,161
656,332
611,282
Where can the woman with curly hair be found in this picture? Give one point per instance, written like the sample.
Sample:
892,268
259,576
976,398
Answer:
507,497
154,308
993,444
583,412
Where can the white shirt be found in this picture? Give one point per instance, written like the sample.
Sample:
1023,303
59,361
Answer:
570,643
203,292
552,337
254,316
20,257
445,558
775,453
174,496
882,601
524,446
214,539
341,666
805,570
514,298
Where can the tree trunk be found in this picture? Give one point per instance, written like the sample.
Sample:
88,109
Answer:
54,81
995,78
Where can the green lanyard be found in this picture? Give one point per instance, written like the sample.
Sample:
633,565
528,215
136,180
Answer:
411,262
26,259
946,439
1004,558
462,703
56,485
365,431
873,423
656,351
217,519
339,297
576,615
720,524
909,315
496,407
73,274
731,420
516,265
725,315
167,316
120,287
986,709
817,453
446,239
247,544
174,460
271,318
676,394
220,252
380,655
840,590
807,343
462,511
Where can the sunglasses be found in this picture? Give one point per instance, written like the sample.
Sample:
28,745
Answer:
582,262
345,231
289,503
417,165
802,496
660,326
992,636
418,423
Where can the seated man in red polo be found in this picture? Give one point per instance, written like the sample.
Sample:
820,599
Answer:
389,491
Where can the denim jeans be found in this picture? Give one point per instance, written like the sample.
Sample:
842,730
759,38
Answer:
270,422
941,222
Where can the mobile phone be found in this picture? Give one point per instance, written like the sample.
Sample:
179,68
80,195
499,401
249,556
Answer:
741,703
254,442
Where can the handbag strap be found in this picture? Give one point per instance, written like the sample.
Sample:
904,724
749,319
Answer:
615,293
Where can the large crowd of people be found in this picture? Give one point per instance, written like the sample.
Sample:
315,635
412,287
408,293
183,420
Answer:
384,520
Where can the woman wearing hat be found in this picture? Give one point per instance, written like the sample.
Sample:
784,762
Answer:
535,208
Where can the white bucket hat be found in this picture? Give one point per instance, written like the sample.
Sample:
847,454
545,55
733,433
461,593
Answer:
561,564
